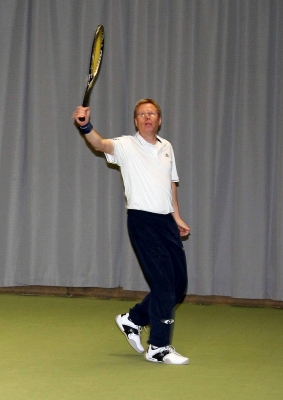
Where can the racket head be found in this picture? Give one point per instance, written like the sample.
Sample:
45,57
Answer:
95,61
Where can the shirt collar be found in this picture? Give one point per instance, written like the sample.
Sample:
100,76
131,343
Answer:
143,141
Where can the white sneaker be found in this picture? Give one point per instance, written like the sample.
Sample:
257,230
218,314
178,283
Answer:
166,355
131,331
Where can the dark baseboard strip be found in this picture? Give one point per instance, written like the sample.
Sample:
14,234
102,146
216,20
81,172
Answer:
120,293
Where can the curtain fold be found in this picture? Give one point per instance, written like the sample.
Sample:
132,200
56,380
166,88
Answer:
215,67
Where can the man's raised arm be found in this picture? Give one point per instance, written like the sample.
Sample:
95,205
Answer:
91,135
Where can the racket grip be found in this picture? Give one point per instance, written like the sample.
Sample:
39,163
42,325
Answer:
82,119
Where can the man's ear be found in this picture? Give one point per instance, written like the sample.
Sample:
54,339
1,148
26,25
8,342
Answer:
135,122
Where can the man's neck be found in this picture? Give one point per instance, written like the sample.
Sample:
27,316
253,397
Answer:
150,138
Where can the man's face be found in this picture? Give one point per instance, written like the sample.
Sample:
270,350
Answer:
147,119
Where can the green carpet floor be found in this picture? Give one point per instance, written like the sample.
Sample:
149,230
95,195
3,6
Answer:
54,348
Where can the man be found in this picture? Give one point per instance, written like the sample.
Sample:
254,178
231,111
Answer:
149,173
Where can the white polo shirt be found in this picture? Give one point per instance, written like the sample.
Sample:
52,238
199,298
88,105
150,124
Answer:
147,170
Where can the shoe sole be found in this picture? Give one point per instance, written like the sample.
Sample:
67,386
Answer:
186,362
130,341
168,362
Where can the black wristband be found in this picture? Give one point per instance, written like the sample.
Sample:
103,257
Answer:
86,128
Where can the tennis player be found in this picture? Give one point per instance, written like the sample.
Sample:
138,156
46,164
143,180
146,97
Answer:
148,168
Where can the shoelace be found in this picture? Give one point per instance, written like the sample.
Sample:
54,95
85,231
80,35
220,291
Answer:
138,327
170,349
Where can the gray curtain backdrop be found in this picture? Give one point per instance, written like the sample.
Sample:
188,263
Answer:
216,69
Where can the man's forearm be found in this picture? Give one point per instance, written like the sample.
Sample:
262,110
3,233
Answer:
176,212
183,227
98,143
82,118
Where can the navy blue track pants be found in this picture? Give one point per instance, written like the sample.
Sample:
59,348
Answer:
159,249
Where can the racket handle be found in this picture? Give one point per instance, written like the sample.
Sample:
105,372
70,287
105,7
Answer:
82,119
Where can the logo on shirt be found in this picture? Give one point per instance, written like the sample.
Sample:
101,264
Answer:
166,155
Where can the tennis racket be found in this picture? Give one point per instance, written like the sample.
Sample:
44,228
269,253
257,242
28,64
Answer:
94,63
